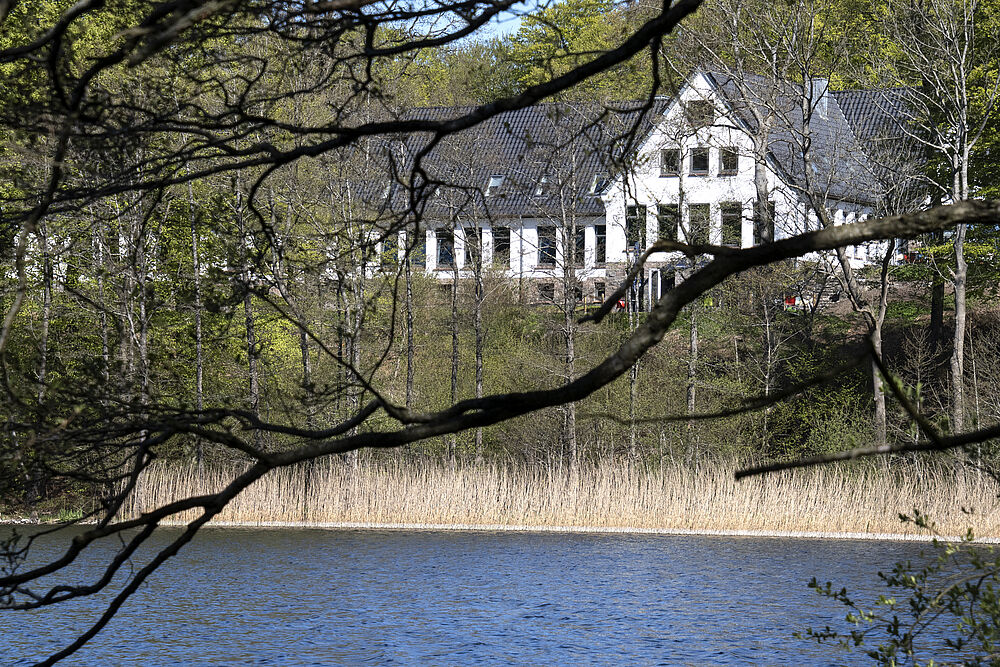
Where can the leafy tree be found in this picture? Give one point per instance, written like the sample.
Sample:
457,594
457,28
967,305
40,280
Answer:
268,127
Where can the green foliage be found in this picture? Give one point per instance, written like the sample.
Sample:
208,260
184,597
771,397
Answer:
569,33
942,611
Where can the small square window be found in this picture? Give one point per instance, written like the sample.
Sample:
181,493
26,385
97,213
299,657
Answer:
495,184
670,162
597,184
699,161
542,187
599,291
730,161
701,113
547,292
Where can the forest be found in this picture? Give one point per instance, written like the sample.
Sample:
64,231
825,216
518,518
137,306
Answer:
197,283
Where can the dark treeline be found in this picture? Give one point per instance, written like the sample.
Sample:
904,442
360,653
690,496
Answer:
165,277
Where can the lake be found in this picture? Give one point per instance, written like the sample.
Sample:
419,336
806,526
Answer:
352,597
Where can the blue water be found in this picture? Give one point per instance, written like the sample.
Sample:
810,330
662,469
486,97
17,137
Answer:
338,597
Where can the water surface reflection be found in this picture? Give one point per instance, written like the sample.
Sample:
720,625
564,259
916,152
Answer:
321,597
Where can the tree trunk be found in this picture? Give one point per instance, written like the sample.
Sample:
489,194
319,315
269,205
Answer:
878,391
249,320
199,366
477,323
692,372
452,441
569,427
958,343
410,348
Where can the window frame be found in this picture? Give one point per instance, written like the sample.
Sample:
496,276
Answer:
726,211
708,161
498,245
664,215
674,170
473,250
444,238
547,251
635,225
600,245
580,246
700,113
697,236
418,254
731,152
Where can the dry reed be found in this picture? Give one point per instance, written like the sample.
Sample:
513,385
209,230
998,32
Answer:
821,500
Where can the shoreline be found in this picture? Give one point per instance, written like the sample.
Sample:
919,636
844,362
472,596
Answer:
594,530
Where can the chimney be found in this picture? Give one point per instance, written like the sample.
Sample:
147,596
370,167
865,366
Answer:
818,90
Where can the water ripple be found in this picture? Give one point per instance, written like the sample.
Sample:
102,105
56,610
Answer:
342,597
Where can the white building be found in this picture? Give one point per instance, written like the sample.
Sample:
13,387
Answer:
549,190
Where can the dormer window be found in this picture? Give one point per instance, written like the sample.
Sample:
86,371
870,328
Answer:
701,113
495,184
670,162
597,184
542,187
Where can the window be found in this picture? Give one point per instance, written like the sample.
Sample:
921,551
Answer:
732,224
418,255
635,228
730,161
579,246
654,285
501,247
542,187
445,248
473,245
600,244
495,184
701,113
700,217
547,292
599,291
760,233
670,162
546,246
390,251
699,161
667,218
578,294
598,183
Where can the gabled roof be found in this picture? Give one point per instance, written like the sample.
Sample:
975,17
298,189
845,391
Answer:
875,114
547,154
839,163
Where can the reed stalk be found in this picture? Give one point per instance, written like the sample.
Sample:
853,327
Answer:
620,496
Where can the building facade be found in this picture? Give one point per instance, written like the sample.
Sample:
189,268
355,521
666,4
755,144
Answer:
545,191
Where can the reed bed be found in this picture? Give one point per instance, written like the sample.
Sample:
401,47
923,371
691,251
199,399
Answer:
827,500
